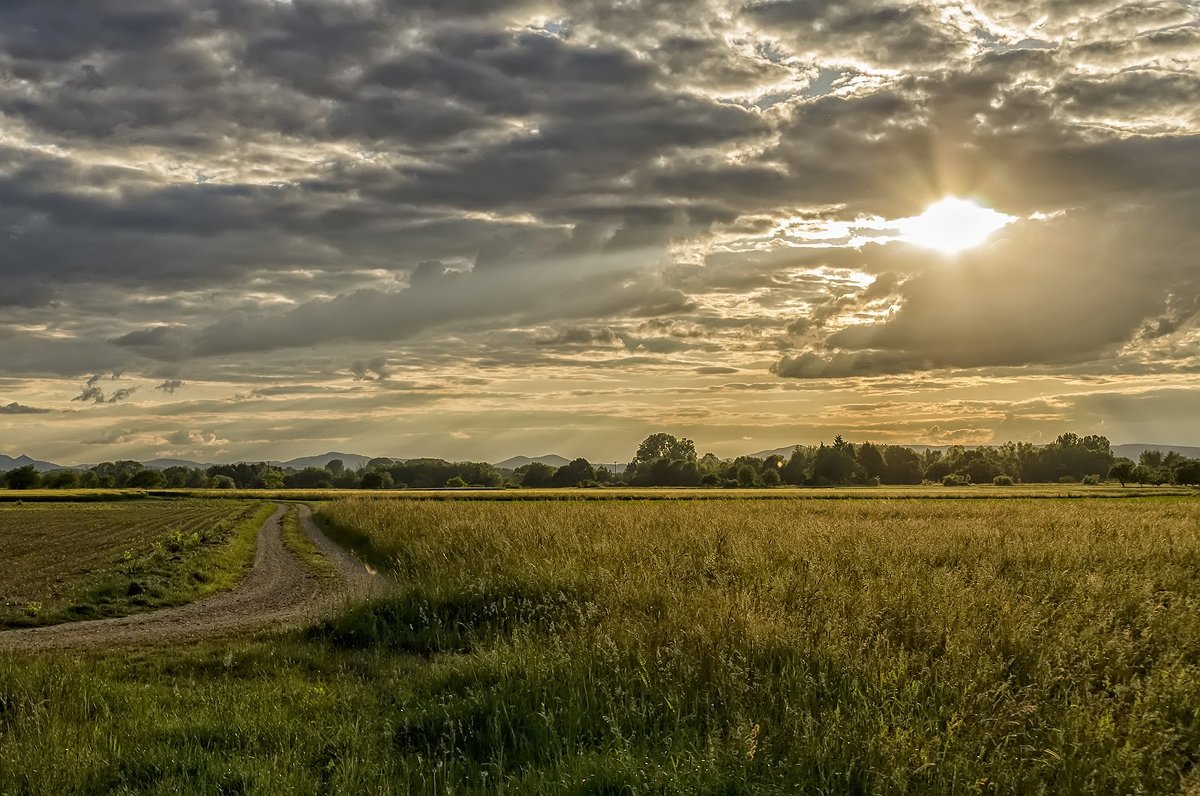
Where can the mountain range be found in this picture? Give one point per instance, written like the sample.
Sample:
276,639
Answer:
9,463
355,461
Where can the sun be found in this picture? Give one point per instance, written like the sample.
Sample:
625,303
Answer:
952,225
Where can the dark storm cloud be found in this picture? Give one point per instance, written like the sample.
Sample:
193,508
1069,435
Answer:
890,34
375,170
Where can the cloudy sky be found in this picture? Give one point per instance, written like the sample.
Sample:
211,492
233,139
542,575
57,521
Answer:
468,229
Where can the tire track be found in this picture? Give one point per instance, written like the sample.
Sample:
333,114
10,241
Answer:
279,592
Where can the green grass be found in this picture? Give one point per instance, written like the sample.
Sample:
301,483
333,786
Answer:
298,543
831,646
64,562
760,646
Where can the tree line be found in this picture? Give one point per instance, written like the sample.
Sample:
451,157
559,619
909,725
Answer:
665,460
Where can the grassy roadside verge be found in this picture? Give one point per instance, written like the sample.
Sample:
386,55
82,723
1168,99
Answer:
175,568
265,716
299,545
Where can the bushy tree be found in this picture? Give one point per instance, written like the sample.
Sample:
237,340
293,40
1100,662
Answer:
535,475
372,480
26,477
902,466
1123,471
147,479
871,461
834,465
664,446
1187,472
747,476
61,479
798,467
309,478
574,474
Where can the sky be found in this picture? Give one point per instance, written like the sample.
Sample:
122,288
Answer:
465,229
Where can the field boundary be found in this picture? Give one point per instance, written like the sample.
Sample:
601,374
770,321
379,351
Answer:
975,492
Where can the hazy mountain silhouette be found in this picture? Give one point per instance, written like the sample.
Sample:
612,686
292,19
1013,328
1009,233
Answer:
551,459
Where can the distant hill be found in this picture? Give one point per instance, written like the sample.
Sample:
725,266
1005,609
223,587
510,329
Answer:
520,461
9,463
353,461
162,464
1135,449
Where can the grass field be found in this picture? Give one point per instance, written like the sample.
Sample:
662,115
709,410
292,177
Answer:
64,561
755,646
1042,491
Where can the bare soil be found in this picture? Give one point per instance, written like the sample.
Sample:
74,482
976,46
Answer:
278,593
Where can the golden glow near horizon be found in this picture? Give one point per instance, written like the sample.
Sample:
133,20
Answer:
952,225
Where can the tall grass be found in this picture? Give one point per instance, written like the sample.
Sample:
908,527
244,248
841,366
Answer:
856,646
834,646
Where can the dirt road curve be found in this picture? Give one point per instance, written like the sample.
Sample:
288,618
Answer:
278,592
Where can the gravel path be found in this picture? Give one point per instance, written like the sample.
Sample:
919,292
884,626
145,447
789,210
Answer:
279,592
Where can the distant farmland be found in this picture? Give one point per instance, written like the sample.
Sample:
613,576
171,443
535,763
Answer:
66,561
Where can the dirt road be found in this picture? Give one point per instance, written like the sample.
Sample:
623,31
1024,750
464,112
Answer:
279,592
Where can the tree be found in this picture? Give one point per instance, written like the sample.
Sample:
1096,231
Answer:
1187,472
479,473
270,478
796,470
221,482
309,478
574,473
26,477
937,469
1143,475
746,476
61,479
664,446
456,483
980,469
771,478
902,466
535,475
176,477
336,467
372,480
147,479
1152,459
870,459
834,466
1123,471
